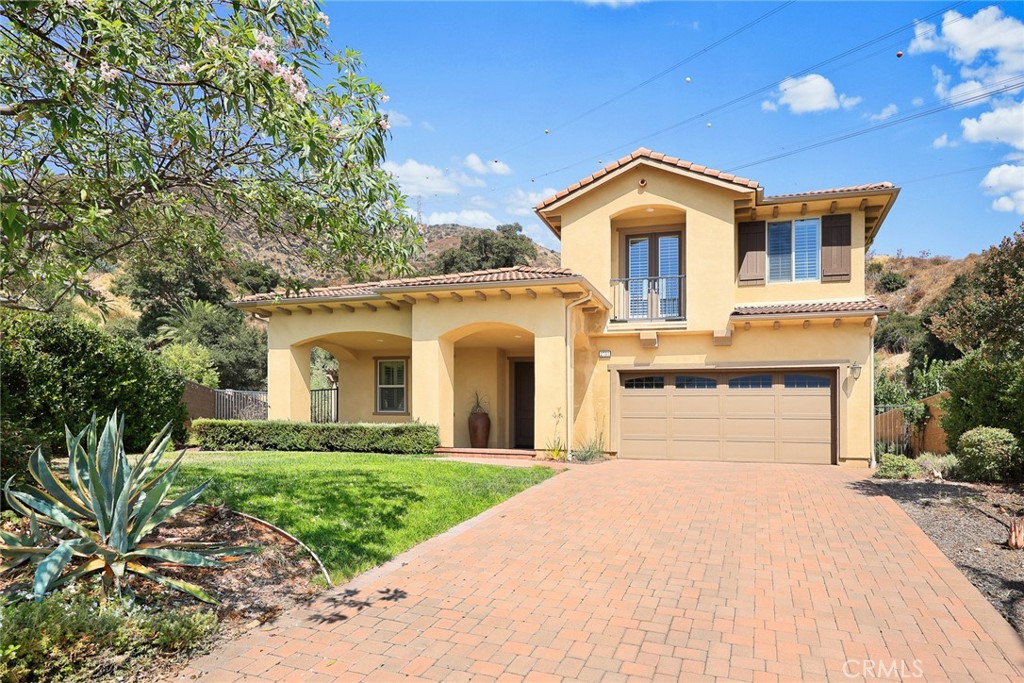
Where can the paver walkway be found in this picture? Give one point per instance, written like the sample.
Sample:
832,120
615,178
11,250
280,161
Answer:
652,571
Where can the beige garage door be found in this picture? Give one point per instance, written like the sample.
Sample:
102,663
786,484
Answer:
759,415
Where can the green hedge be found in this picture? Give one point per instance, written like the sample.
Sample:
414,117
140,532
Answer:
283,435
58,370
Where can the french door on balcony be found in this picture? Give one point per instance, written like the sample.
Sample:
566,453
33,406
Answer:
654,279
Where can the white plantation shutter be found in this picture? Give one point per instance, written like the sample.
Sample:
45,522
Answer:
806,249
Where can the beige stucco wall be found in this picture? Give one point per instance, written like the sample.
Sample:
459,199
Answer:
821,345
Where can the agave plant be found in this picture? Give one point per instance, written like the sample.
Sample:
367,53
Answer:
98,518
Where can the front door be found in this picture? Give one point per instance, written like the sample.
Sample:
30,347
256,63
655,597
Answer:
522,390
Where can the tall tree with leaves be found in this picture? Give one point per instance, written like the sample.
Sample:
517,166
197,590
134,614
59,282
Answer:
504,247
989,311
126,123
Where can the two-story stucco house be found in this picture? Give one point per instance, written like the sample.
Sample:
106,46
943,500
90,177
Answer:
694,318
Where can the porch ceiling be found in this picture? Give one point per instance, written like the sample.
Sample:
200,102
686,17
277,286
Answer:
363,341
506,338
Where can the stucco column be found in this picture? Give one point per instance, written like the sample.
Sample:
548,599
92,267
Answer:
433,385
288,383
550,394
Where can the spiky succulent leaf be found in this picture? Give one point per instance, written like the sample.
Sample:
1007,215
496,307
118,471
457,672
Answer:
50,568
184,586
90,567
171,509
54,512
54,487
182,557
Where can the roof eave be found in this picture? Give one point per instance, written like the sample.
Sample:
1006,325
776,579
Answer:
807,316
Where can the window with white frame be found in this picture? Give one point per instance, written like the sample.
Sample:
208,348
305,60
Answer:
794,250
391,385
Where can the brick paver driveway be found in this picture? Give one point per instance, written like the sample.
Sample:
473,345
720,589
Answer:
653,571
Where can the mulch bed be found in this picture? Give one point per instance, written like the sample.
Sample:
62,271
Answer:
251,591
969,523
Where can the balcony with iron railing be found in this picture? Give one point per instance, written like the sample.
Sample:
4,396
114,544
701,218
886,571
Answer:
649,299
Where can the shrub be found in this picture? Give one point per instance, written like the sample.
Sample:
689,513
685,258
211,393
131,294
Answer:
58,638
55,367
192,361
283,435
988,454
983,392
590,450
938,466
891,281
893,466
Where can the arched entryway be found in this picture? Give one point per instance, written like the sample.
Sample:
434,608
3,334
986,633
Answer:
495,362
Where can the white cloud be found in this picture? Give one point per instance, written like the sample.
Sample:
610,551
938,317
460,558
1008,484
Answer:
1007,181
397,119
477,165
847,102
987,48
481,202
943,141
418,179
809,93
521,203
917,101
1005,124
476,218
888,111
427,126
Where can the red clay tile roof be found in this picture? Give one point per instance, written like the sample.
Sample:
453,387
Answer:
371,289
871,187
868,305
653,156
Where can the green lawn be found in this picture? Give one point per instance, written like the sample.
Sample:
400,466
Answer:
355,510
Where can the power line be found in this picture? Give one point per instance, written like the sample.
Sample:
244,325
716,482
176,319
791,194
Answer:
762,90
661,74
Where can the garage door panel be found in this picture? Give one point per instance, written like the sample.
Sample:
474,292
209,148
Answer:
804,429
690,403
683,428
749,427
738,402
645,427
807,404
696,449
753,416
796,452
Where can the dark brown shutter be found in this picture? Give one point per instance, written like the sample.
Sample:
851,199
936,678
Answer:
752,258
835,248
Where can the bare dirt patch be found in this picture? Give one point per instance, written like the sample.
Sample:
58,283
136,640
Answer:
969,523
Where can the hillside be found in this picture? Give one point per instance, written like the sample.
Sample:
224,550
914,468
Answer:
287,258
928,279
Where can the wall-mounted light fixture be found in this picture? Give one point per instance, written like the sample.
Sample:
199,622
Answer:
855,369
604,354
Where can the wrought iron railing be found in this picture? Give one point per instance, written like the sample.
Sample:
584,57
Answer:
323,405
649,298
231,404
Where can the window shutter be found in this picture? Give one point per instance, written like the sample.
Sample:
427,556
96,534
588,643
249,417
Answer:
751,252
835,248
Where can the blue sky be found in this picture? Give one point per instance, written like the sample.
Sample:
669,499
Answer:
473,87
